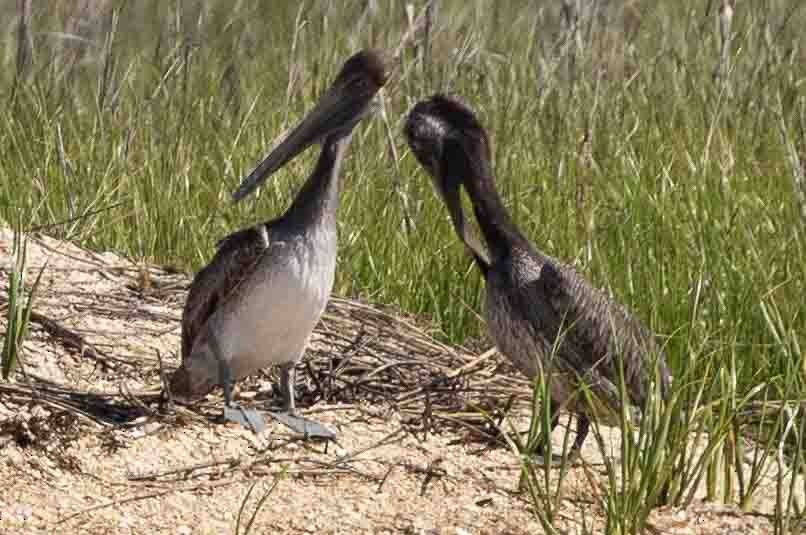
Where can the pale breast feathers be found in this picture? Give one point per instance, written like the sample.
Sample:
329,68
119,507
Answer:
237,256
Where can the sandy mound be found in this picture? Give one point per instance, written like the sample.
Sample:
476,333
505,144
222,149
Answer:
87,446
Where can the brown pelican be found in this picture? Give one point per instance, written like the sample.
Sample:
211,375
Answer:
541,314
257,302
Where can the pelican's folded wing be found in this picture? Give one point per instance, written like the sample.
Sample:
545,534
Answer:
594,329
237,256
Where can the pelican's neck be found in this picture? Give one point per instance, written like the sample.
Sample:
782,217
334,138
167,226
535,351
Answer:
500,233
318,199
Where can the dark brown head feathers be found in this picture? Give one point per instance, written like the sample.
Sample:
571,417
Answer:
452,119
370,63
451,110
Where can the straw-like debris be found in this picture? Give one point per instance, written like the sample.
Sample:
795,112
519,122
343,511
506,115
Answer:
90,441
115,319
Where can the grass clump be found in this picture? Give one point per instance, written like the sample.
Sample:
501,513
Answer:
18,305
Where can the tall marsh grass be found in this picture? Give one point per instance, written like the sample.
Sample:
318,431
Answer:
660,151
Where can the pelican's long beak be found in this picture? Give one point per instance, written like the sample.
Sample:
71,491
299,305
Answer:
450,195
339,109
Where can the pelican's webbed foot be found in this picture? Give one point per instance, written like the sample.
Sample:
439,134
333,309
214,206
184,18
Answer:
289,418
307,428
249,418
583,427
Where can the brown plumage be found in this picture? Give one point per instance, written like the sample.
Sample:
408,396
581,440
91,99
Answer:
540,312
257,301
237,256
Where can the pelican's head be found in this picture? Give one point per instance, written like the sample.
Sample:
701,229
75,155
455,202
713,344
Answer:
450,143
188,386
347,101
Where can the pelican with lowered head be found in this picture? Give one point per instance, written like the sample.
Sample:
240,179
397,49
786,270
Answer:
541,313
258,300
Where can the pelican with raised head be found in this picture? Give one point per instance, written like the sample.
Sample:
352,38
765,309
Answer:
258,300
540,313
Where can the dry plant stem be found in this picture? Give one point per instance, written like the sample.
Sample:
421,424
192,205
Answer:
258,506
144,496
292,69
73,219
27,393
408,223
795,163
431,11
722,71
339,465
185,471
573,40
24,44
409,36
71,339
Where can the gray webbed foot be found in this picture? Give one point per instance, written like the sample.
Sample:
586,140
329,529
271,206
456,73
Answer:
303,426
289,418
249,418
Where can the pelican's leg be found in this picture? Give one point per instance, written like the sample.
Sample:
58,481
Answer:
246,417
226,382
289,417
583,426
288,385
544,445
